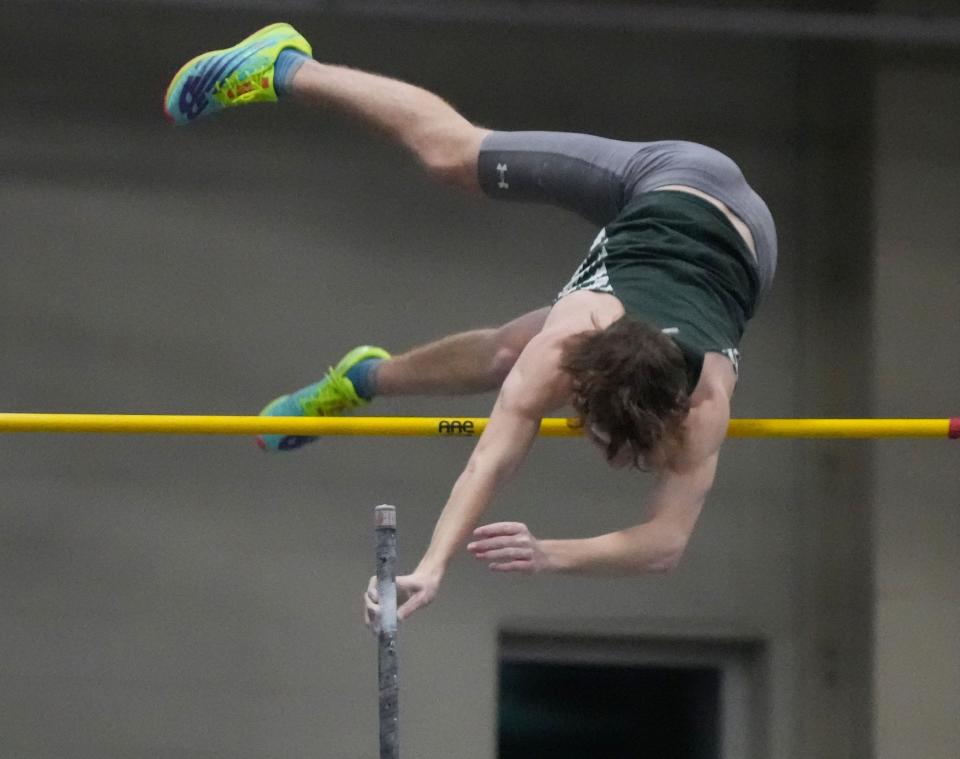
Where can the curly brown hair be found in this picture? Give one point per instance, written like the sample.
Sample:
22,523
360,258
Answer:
630,381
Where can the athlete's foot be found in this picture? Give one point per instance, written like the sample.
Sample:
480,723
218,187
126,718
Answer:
334,395
237,75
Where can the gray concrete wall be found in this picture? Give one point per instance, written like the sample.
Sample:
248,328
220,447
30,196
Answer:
192,597
917,523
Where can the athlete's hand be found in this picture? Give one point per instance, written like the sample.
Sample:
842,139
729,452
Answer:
508,547
414,591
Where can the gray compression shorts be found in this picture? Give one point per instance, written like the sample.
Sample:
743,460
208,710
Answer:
596,177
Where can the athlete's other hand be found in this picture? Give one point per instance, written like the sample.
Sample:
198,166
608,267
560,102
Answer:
414,591
508,547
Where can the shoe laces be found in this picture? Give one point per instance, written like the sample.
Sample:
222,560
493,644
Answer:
336,394
244,74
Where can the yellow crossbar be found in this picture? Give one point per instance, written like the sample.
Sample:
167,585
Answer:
164,424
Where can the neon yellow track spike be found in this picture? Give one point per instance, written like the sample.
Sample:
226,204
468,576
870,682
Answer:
332,396
237,75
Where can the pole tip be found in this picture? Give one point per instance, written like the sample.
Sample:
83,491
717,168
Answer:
385,516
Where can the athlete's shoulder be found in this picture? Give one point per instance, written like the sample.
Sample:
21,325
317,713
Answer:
718,379
705,428
537,384
583,311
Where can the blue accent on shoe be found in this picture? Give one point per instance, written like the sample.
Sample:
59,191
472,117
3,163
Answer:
288,405
364,378
292,442
288,63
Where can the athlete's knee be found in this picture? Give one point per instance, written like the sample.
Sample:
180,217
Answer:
509,341
449,154
504,357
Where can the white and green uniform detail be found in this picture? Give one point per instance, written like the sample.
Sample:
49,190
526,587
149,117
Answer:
592,273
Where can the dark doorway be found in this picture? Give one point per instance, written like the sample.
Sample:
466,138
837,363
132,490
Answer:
608,711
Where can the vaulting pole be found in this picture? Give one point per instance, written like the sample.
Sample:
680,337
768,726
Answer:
385,518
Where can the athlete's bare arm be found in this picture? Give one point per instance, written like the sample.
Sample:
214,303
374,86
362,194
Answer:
673,506
534,387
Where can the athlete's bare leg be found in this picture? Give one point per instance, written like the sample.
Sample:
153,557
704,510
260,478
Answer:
447,146
468,362
443,141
